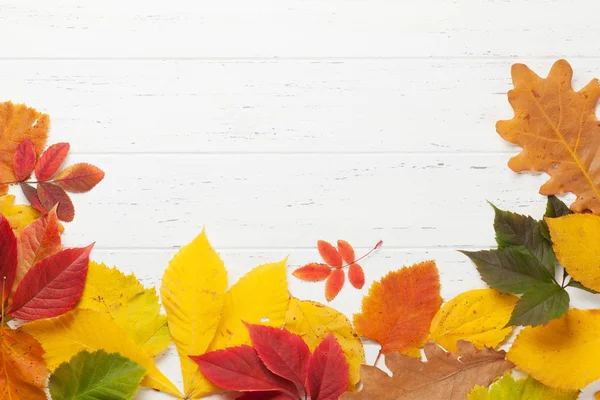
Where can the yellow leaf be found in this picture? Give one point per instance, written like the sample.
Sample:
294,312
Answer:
563,353
576,242
193,293
313,321
477,316
80,329
134,308
507,388
18,215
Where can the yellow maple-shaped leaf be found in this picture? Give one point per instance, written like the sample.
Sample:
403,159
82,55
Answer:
18,215
313,321
134,308
477,316
507,388
193,293
90,330
576,242
17,123
563,353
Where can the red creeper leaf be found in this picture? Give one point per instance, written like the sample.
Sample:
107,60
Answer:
51,195
356,276
334,284
328,371
346,251
50,161
32,197
313,272
264,396
330,254
79,178
24,160
8,257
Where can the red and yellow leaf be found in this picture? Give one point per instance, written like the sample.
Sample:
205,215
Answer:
330,254
346,251
313,272
334,284
356,276
327,371
8,257
50,161
24,160
50,195
79,178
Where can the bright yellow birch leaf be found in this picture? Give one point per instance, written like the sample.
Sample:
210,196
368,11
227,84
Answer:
193,293
507,388
563,353
576,242
477,316
18,215
90,330
134,308
313,321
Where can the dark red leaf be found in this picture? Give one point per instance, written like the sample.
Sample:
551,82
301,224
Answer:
330,254
24,160
356,276
282,352
264,396
32,197
334,284
346,251
79,178
53,286
51,195
240,368
50,161
313,272
327,371
8,257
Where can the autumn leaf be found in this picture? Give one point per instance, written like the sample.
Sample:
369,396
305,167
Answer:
314,321
134,308
8,258
50,161
329,254
507,388
90,330
563,353
356,276
51,195
346,251
541,303
24,160
558,131
32,197
334,284
327,371
18,215
79,178
398,311
478,316
96,375
313,272
445,376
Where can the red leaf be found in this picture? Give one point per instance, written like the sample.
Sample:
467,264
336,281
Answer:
32,197
50,161
346,251
264,396
330,254
313,272
356,276
8,257
334,284
53,286
51,195
328,371
24,160
79,178
282,352
240,368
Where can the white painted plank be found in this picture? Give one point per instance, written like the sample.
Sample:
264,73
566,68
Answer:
298,28
287,106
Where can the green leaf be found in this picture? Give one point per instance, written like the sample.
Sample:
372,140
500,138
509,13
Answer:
98,375
526,234
509,270
542,303
579,285
507,388
556,208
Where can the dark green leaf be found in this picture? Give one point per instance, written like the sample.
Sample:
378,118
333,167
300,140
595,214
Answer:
542,303
96,375
556,208
509,270
578,285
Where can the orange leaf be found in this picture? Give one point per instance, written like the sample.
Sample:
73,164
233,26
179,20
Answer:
334,284
51,160
330,254
79,178
50,195
23,370
313,272
398,311
346,251
558,131
356,276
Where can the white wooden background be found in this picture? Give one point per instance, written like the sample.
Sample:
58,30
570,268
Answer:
274,123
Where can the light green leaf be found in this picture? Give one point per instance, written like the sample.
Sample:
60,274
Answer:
507,388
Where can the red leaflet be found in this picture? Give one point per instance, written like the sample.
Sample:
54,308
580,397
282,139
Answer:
282,352
313,272
53,286
356,276
8,257
51,195
50,161
24,160
79,178
240,368
32,196
346,251
264,396
334,284
328,371
329,254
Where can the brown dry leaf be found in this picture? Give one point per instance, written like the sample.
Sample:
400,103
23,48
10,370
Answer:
445,376
558,131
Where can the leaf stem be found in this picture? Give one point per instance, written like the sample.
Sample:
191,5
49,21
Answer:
378,245
378,357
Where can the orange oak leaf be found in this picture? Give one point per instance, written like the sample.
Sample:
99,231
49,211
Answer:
558,131
356,276
398,310
313,272
330,254
346,251
334,284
